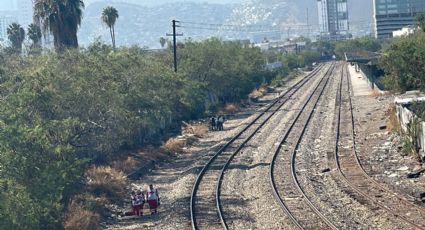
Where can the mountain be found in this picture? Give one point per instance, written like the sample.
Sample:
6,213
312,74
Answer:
254,19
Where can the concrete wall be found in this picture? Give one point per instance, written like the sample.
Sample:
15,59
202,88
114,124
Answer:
405,117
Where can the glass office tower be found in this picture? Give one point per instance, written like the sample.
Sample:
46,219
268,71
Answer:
391,15
333,18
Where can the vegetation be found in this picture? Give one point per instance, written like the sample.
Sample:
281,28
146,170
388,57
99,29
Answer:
16,35
34,34
62,113
109,17
61,19
399,58
357,45
420,21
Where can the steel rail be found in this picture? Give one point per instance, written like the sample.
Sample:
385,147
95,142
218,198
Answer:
355,154
293,173
287,94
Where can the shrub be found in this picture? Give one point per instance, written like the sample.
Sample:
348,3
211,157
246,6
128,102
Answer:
126,165
78,218
198,129
231,108
174,145
105,180
258,93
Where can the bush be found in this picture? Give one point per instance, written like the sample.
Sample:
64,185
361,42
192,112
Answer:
231,108
105,180
198,129
127,165
174,145
78,218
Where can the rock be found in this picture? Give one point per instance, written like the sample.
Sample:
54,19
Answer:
393,175
325,170
404,168
415,174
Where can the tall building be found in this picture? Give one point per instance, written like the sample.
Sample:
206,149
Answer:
392,15
333,19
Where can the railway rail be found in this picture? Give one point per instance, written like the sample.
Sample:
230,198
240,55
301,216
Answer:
351,170
289,193
205,205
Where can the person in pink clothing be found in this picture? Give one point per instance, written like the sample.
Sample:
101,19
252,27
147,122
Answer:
153,199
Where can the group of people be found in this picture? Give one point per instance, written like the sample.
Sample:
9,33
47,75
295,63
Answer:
216,123
139,198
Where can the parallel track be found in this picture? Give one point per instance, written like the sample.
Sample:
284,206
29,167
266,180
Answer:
352,172
205,204
283,178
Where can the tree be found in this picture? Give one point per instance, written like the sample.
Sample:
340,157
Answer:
34,33
420,20
61,18
162,41
109,17
16,35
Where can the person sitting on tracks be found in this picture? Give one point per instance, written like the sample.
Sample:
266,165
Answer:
137,202
153,199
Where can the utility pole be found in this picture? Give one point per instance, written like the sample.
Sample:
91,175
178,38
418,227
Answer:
174,34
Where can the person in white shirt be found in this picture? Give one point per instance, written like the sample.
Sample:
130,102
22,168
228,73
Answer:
153,199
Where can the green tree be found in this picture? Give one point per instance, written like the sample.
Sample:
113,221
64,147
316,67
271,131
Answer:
16,35
420,21
62,19
34,34
404,64
109,17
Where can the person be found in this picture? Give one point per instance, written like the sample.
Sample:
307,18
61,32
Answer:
140,200
220,122
153,199
213,123
135,203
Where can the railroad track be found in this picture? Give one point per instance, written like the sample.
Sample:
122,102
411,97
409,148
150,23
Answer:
352,172
283,177
205,206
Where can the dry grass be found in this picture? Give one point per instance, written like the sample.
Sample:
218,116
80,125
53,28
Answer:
106,180
78,218
174,145
126,165
198,129
258,93
393,124
376,93
232,108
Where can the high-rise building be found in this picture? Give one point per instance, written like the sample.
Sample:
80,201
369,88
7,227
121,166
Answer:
333,19
392,15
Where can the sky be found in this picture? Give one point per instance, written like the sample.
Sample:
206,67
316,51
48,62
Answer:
7,5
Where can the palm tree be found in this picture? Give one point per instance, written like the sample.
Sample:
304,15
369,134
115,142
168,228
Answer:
162,41
62,19
109,17
16,35
34,33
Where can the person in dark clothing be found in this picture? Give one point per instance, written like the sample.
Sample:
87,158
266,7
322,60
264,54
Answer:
213,123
